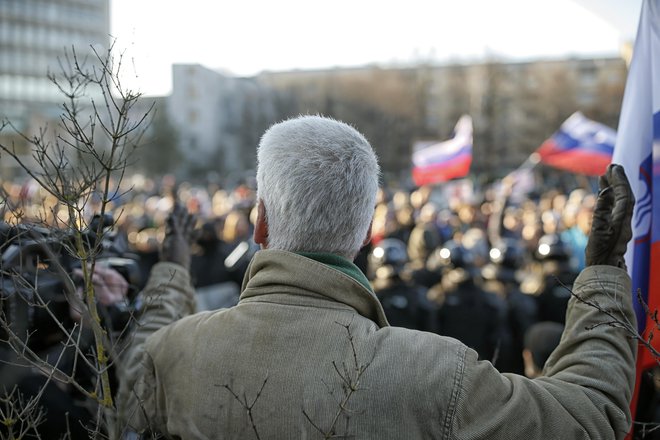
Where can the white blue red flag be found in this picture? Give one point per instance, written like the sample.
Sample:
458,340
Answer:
441,161
580,145
638,150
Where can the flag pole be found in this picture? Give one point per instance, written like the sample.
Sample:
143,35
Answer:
500,202
530,163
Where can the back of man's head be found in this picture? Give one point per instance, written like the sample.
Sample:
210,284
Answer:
317,179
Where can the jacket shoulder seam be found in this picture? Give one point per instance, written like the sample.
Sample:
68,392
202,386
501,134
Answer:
459,373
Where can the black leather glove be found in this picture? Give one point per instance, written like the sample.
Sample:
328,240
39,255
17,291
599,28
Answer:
178,237
611,227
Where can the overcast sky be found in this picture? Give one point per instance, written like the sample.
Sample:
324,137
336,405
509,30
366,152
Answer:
246,37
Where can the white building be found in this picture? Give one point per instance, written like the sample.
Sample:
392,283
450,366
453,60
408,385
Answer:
219,118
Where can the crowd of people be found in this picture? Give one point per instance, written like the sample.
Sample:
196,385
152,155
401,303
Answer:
486,274
483,269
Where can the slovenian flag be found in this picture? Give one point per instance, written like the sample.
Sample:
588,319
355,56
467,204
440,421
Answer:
638,150
442,161
580,145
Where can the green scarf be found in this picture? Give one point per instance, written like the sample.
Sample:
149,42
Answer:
341,264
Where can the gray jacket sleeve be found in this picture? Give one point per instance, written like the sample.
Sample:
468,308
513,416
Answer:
588,380
168,296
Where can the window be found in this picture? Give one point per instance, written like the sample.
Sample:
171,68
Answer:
588,74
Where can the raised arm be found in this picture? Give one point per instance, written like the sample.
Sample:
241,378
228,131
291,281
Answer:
588,380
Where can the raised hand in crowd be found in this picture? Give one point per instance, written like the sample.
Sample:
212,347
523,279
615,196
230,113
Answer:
179,235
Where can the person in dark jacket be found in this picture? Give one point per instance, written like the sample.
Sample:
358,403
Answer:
405,303
469,313
502,276
558,278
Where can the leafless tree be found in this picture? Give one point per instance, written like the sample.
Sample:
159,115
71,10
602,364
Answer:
79,164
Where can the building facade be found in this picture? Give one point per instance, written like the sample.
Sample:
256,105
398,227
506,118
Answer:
514,106
35,36
219,119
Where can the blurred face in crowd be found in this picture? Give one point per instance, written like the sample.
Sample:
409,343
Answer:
511,220
584,219
466,214
559,203
379,224
550,220
236,227
405,216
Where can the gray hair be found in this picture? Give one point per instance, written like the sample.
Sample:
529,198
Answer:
318,179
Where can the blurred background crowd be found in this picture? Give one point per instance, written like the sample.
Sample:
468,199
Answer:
483,265
492,266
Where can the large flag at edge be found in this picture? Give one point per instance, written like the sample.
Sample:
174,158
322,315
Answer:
638,150
446,160
580,145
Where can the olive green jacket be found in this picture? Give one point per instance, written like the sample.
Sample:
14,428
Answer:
307,353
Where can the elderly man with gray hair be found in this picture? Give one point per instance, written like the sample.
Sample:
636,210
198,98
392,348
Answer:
308,352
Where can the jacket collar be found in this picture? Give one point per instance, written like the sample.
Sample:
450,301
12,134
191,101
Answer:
341,264
276,271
